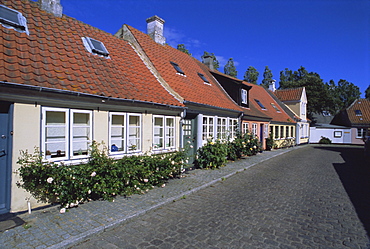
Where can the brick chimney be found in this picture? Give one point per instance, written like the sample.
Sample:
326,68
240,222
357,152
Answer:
208,60
52,6
155,29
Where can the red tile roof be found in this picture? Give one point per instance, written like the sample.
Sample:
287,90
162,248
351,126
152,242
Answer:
291,94
362,106
53,56
260,93
189,86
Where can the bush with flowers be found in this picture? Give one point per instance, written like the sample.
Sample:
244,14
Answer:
212,155
100,178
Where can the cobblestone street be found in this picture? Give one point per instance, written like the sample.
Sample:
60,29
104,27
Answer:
296,200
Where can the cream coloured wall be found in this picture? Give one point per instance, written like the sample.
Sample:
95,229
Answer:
26,136
100,127
147,132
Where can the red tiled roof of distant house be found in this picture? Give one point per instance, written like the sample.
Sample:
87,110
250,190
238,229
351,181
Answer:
189,86
359,112
53,56
292,94
260,93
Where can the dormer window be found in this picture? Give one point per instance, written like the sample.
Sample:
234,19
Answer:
260,104
358,112
205,80
13,19
275,107
177,68
95,46
244,96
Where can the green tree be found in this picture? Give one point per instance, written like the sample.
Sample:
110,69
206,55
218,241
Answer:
346,92
367,93
230,69
182,48
318,96
251,75
267,77
216,64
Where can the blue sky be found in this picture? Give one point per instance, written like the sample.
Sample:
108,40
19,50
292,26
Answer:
329,37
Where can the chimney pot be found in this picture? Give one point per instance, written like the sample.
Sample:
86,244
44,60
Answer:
155,29
208,61
272,86
52,6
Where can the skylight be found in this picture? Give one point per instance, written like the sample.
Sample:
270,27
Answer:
275,107
10,18
177,68
260,104
358,112
203,78
95,46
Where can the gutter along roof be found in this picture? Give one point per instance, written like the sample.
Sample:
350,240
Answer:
188,85
53,56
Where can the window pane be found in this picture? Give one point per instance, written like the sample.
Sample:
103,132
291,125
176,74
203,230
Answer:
81,133
55,134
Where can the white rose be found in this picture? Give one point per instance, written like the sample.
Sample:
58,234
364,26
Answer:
93,174
50,180
62,211
146,180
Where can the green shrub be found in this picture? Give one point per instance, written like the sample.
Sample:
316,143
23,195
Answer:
100,178
211,155
324,140
270,142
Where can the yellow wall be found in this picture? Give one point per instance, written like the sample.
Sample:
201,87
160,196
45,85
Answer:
285,140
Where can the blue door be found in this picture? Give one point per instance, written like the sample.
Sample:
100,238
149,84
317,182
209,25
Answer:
5,163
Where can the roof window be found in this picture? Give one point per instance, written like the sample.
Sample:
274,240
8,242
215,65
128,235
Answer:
206,81
358,112
275,107
95,46
13,19
177,68
260,104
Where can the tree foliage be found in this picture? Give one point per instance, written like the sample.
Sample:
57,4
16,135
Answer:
251,75
267,77
367,93
216,64
316,90
230,68
182,48
342,95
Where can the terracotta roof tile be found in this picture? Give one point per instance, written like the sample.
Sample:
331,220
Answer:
53,55
190,87
362,107
291,94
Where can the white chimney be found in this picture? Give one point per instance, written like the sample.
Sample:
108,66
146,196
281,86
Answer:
52,6
155,29
272,87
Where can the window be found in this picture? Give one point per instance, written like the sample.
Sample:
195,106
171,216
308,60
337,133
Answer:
244,96
164,132
361,132
292,131
260,104
254,129
67,134
358,112
245,128
204,79
275,107
95,46
276,131
233,127
207,128
177,68
221,128
125,132
281,131
337,134
287,131
10,18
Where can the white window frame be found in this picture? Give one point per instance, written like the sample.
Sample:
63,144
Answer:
20,26
245,126
244,96
124,135
129,137
208,128
165,133
69,128
360,131
233,127
221,128
87,41
254,129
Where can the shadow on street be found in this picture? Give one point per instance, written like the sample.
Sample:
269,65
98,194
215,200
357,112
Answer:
355,176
